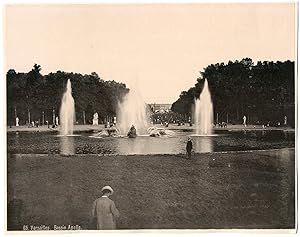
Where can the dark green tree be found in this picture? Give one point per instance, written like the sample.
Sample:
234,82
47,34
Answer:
36,94
264,92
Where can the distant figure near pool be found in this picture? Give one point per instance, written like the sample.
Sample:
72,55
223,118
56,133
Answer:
189,147
105,211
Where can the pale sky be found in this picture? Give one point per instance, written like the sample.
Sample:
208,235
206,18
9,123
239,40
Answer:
163,47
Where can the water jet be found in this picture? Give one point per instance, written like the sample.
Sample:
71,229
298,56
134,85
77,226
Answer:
204,112
67,117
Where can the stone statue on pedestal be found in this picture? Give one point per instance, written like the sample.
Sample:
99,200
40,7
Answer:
132,132
244,120
56,121
95,118
285,120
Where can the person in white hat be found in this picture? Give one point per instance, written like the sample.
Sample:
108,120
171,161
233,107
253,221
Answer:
105,211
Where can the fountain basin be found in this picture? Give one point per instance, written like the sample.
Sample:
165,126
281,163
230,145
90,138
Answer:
207,135
49,142
68,135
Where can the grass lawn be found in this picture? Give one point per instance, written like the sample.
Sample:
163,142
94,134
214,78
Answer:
215,190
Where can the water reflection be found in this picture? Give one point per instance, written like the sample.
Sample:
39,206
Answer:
148,145
203,144
130,146
67,145
17,140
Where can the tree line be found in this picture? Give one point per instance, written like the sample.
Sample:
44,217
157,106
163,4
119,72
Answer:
35,97
264,92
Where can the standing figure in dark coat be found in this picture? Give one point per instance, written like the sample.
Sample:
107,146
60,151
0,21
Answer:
189,147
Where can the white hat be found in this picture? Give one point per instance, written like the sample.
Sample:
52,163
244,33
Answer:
107,188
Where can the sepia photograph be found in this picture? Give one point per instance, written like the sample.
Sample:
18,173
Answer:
153,116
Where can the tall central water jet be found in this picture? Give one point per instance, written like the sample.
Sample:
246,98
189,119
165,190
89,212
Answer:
204,112
133,111
67,111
